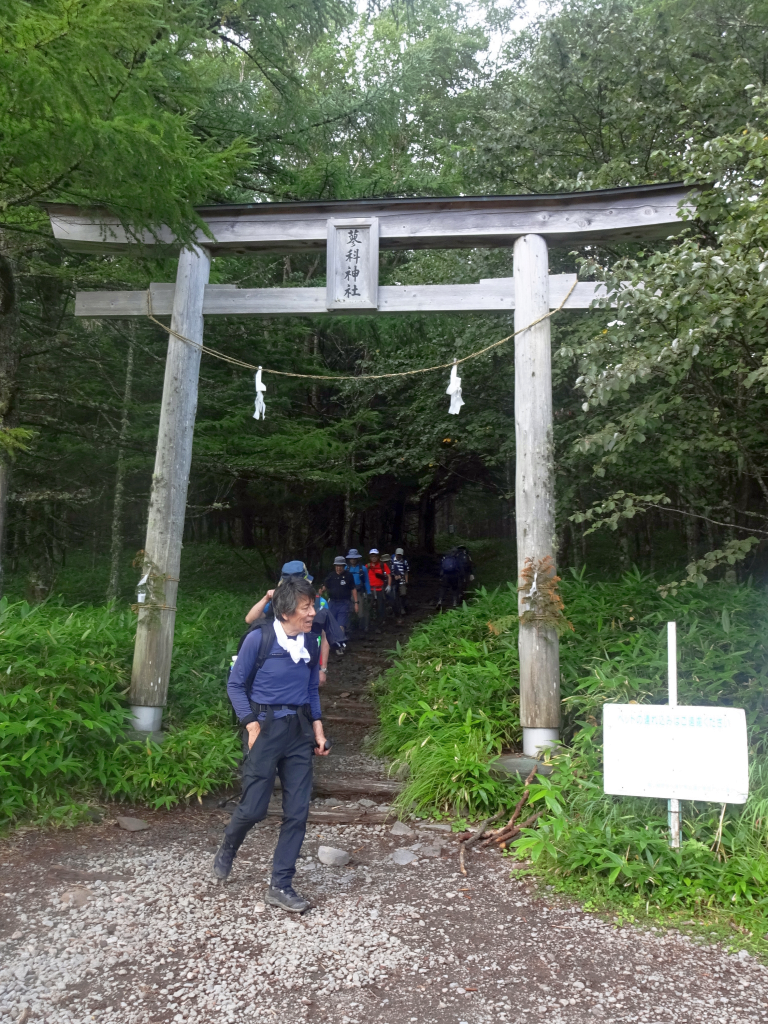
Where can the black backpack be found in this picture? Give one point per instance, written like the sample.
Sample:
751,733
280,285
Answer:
450,565
267,626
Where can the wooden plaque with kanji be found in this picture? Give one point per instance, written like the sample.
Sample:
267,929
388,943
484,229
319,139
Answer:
353,264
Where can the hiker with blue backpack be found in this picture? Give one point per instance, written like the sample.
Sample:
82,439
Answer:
359,574
450,578
324,623
274,689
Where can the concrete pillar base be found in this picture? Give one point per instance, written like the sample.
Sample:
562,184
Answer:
535,741
144,719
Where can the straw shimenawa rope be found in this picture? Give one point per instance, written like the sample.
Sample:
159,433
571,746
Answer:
365,376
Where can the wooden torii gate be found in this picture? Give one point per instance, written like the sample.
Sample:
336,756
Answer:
352,232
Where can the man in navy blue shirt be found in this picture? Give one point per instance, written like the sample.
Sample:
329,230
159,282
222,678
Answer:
342,592
280,708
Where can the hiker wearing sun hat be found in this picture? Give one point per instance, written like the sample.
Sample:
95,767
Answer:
324,624
342,592
379,578
400,571
359,574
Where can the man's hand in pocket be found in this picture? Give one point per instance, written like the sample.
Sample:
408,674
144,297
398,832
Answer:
253,732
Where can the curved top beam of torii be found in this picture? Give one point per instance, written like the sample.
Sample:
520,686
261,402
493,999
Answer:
620,214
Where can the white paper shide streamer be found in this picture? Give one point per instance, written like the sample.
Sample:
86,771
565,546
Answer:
261,409
454,390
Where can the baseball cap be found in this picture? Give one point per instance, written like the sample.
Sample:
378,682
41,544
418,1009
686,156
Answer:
353,553
373,551
399,551
339,560
296,568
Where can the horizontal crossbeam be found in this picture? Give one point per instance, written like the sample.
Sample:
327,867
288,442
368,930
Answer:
464,222
494,295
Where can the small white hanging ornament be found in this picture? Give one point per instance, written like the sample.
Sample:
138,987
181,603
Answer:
261,409
454,390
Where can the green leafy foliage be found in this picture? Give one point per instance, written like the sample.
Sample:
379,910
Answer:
64,673
618,849
189,763
447,707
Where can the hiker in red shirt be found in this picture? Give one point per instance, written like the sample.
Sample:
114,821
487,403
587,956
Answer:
380,579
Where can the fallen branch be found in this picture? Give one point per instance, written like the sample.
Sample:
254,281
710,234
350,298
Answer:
473,837
501,833
480,832
529,821
473,834
515,832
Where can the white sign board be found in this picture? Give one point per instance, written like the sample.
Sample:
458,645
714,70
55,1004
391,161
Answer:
682,753
353,264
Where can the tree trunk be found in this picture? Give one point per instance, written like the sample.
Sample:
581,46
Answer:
118,504
346,533
398,521
9,364
427,523
691,533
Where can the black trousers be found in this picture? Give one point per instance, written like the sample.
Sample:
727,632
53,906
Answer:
451,584
287,751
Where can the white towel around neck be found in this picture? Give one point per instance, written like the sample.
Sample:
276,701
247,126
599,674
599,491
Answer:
294,645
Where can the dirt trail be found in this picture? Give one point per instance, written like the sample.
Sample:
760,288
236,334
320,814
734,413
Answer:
106,925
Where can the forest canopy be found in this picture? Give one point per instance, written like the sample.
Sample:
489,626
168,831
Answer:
149,109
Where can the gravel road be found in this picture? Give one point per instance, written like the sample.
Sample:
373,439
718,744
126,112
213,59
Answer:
110,926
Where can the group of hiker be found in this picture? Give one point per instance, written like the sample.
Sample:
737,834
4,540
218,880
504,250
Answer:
274,688
367,590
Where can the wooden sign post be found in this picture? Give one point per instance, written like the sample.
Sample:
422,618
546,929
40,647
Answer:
352,232
675,751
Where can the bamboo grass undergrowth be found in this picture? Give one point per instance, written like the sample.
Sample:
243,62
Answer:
448,706
64,675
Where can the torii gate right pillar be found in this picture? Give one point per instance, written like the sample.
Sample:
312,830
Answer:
538,644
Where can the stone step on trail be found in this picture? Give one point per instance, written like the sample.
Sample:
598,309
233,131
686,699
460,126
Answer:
326,784
340,816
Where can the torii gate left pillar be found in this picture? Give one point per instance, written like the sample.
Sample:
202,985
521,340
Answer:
168,501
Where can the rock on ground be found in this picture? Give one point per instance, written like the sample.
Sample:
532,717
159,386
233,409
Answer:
132,824
403,856
332,857
401,829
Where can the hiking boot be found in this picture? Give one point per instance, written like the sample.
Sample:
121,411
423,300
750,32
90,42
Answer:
286,899
222,862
